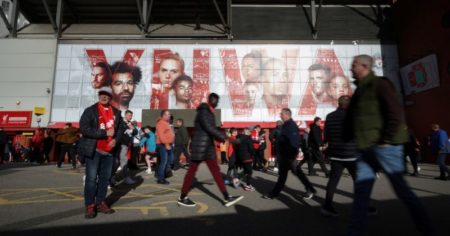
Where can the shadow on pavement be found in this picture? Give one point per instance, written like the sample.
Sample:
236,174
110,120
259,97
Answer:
297,219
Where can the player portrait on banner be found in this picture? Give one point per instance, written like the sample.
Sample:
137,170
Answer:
123,76
172,88
100,75
339,86
261,85
124,80
182,88
326,84
167,66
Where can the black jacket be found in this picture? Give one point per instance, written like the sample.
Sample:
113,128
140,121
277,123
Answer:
181,136
244,148
338,148
289,141
205,132
3,138
274,135
126,138
90,131
315,136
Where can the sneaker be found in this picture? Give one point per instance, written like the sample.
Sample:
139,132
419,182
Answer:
186,202
275,169
308,195
165,182
249,188
227,182
372,211
129,181
148,171
329,211
415,174
104,208
231,200
90,212
119,169
236,182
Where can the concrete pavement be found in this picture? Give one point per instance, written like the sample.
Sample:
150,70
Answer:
45,200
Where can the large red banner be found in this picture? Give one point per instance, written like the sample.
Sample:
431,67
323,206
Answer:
253,81
15,119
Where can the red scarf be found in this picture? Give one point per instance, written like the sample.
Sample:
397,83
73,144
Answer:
106,122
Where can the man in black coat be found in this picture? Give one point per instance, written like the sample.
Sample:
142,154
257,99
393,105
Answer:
181,143
273,137
316,144
101,126
288,145
203,149
342,153
125,144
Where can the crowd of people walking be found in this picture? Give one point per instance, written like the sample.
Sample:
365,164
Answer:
365,135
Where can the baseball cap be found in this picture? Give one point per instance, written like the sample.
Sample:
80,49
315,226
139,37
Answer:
105,90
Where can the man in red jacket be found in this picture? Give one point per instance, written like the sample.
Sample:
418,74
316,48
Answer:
102,127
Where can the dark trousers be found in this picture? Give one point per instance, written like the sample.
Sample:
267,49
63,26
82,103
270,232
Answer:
232,169
132,163
317,156
213,168
67,148
414,157
2,153
177,153
443,169
223,157
248,172
308,159
46,155
98,173
337,167
259,161
284,166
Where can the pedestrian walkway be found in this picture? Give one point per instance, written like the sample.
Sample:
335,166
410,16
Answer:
43,200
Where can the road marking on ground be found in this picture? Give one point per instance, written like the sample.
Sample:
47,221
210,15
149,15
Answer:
69,172
69,194
65,194
159,206
3,201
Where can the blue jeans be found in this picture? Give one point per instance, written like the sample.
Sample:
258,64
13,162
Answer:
390,160
442,166
166,158
98,173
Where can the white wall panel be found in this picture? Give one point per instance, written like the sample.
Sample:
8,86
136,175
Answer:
26,73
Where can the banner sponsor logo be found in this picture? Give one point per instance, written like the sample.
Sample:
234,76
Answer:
15,119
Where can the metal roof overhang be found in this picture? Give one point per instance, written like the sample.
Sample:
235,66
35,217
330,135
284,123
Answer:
152,15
